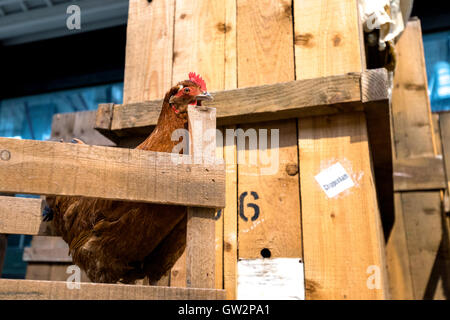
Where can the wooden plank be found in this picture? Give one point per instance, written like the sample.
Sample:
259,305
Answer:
103,120
327,38
398,264
414,137
426,244
413,130
374,92
342,235
323,95
200,237
336,256
23,216
421,173
31,254
199,46
148,65
51,168
219,225
80,125
58,290
230,219
273,223
265,34
230,212
199,43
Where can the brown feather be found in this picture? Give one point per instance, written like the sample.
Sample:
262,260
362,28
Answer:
122,241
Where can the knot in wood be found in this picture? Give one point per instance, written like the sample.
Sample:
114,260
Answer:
5,155
292,169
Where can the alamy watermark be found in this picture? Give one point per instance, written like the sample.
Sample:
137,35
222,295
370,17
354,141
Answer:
374,280
73,21
74,280
254,148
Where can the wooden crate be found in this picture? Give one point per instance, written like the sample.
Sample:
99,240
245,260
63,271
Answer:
351,95
50,168
296,66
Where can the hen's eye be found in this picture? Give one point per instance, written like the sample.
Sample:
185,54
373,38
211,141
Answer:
187,90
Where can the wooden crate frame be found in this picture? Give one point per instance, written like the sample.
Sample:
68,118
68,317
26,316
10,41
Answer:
50,163
366,92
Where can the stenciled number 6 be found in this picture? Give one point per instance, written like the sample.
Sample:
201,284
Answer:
250,205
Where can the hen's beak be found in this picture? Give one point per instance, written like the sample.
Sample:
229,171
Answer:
204,97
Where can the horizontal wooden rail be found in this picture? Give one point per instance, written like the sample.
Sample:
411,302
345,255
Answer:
31,254
23,216
321,96
58,290
422,173
53,168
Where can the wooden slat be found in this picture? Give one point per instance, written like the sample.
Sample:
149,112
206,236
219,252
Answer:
422,173
199,46
219,231
200,237
414,137
31,254
427,248
230,219
51,168
58,290
342,236
230,212
199,41
23,216
264,35
374,92
397,258
80,125
326,95
148,65
326,33
413,130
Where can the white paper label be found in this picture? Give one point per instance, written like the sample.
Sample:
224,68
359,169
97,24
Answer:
271,279
334,180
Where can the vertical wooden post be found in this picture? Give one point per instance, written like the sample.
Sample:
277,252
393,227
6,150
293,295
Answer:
200,235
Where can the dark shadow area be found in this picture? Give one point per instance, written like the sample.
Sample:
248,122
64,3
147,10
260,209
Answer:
81,60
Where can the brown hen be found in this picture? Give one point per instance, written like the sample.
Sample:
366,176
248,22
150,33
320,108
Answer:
123,241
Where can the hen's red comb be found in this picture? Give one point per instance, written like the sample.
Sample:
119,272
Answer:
198,80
